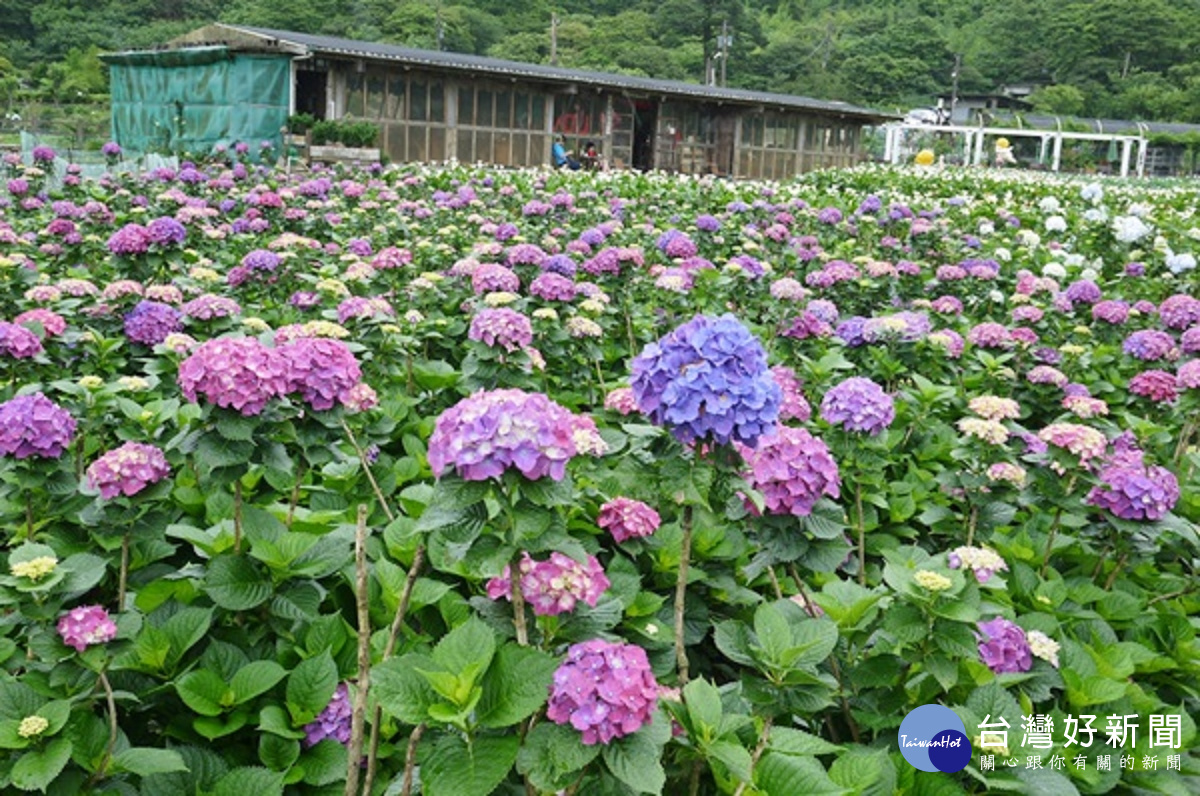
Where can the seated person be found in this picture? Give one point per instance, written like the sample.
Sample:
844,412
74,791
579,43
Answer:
561,157
590,159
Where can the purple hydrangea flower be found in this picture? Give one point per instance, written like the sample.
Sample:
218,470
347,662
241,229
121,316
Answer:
360,307
858,404
794,406
990,335
332,722
525,254
235,372
1111,311
33,425
626,518
1157,385
1188,376
85,625
166,231
489,432
553,586
552,287
129,239
676,244
708,379
501,327
1132,490
1003,646
111,149
262,260
1179,311
603,689
42,154
18,342
321,370
1150,345
707,223
793,470
127,470
150,322
490,277
1083,291
559,264
208,306
51,322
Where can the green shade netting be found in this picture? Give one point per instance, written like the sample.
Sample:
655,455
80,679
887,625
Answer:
191,100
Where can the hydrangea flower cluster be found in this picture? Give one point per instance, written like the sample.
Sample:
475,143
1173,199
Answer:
1083,441
209,306
150,322
18,342
603,689
332,722
626,518
1133,490
127,470
793,470
33,425
129,240
85,625
1157,385
1150,345
991,407
553,586
323,371
501,327
491,431
708,379
1044,647
795,405
1008,472
858,404
621,400
234,372
1004,647
982,561
990,431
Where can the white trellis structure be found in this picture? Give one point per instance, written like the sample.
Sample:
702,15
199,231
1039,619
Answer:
1133,147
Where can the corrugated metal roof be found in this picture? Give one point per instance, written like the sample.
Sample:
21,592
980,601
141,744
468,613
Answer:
330,45
1116,126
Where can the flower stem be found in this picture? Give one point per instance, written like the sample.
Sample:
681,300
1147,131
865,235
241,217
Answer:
685,553
362,457
763,737
113,730
410,760
1112,576
28,515
361,595
237,516
1050,543
972,520
123,576
393,637
862,534
518,601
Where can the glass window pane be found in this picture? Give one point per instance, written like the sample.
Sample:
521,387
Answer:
395,98
466,146
521,111
483,108
437,142
354,95
437,103
483,146
395,142
502,147
503,109
376,86
416,144
416,99
537,150
466,105
537,120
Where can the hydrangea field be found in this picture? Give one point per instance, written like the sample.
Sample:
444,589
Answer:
459,481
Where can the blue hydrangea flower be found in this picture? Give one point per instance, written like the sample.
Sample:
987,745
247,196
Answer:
708,380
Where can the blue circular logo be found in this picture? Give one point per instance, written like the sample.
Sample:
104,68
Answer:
933,738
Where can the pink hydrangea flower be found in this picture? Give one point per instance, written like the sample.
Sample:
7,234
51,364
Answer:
621,400
553,586
604,690
1003,646
793,470
491,431
501,327
33,425
235,372
626,518
86,625
321,370
795,405
127,470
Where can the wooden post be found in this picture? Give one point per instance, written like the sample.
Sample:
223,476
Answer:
1126,151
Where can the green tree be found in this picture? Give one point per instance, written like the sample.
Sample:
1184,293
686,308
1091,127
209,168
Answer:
1060,99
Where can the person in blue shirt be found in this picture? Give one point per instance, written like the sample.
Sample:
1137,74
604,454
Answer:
561,157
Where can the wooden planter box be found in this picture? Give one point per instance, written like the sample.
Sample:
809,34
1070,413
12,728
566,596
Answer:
330,153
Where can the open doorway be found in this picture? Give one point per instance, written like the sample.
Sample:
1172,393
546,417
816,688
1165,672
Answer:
310,93
645,117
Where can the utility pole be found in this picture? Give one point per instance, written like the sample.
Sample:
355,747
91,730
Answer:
724,42
954,84
441,28
554,38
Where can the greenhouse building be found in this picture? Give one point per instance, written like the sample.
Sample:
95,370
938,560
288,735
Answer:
224,83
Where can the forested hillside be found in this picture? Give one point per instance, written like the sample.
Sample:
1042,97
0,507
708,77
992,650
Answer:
1116,58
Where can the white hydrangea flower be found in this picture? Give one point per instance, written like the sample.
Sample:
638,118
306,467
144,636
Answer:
1044,647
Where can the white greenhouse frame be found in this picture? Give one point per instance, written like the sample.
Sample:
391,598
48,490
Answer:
1051,143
